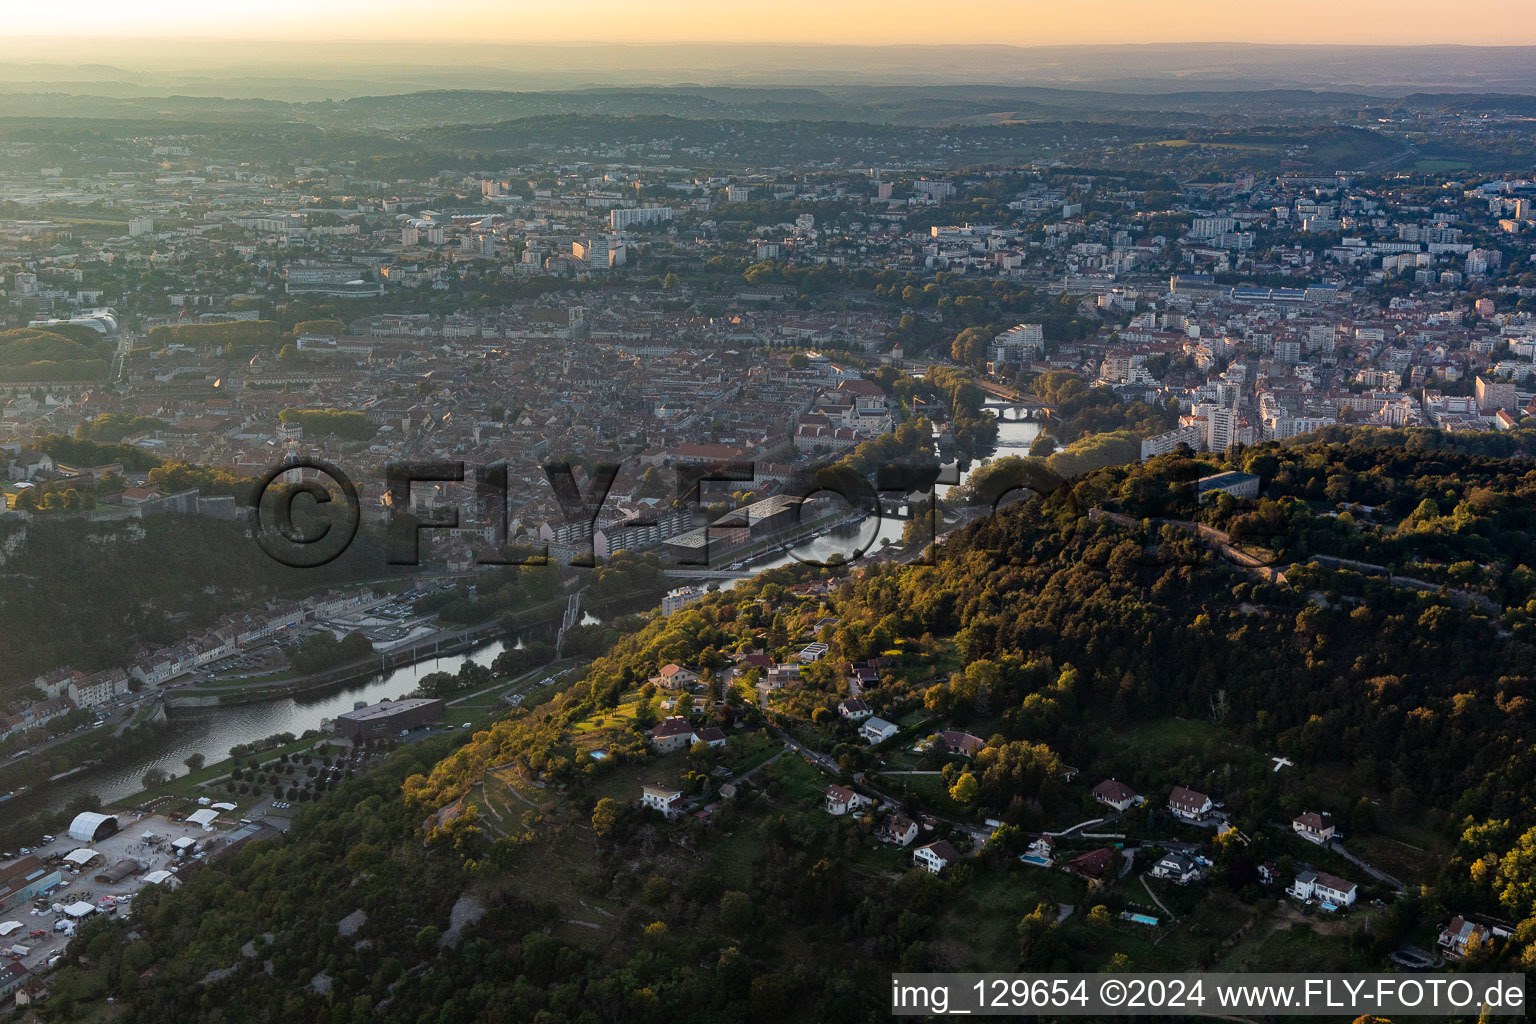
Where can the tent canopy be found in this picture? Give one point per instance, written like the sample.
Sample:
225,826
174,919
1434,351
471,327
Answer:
89,826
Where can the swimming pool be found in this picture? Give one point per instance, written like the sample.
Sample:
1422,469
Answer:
1139,918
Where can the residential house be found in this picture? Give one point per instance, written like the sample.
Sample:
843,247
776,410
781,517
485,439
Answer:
34,990
710,735
164,664
962,744
854,709
29,464
813,652
98,687
1178,867
1095,866
841,800
1323,887
675,733
1314,827
676,677
862,676
877,730
1115,794
12,977
778,677
335,603
898,829
1188,805
745,663
1042,851
665,799
1461,935
56,683
41,713
935,857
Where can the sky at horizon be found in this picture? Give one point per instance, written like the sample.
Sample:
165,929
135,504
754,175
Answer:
869,22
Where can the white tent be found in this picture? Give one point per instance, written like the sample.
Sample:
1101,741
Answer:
162,878
81,909
10,926
81,857
89,826
205,817
224,807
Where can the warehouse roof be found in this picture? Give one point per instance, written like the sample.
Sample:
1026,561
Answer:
384,709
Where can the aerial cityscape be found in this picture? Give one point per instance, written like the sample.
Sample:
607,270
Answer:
635,520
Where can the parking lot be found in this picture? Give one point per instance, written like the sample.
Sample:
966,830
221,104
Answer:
81,885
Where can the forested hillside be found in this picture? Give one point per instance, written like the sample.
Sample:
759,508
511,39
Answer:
517,879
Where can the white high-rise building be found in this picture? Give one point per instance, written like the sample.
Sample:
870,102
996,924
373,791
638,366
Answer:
620,220
138,226
1220,426
1211,227
1018,344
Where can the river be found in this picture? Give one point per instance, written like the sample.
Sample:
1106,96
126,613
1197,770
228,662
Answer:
213,731
1013,438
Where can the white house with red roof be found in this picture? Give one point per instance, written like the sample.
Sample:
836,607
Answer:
1116,794
898,829
841,800
1189,805
676,677
1313,827
935,857
854,709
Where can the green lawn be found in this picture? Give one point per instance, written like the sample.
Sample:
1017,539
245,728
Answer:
792,778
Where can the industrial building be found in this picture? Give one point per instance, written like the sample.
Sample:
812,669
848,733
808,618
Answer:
387,717
25,879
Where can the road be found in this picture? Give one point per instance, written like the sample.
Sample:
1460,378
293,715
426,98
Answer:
1222,542
824,763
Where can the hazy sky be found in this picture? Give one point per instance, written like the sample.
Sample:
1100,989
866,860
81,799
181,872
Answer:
1018,22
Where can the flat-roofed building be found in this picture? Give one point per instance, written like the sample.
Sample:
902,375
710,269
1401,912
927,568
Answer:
25,879
388,717
1239,485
